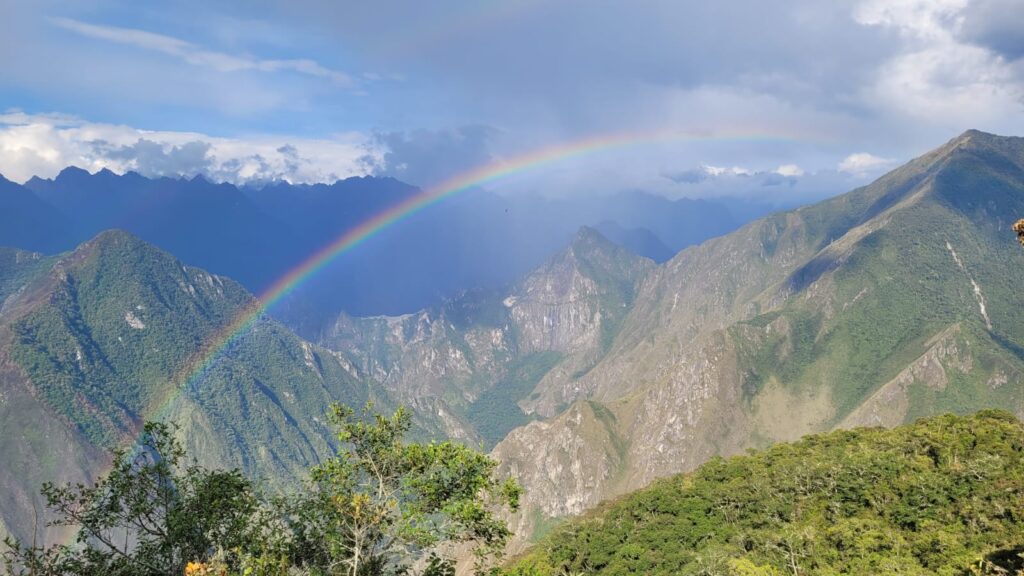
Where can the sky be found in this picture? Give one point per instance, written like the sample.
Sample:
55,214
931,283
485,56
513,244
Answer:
780,101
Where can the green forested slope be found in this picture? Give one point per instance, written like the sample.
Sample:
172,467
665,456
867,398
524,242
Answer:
94,342
942,496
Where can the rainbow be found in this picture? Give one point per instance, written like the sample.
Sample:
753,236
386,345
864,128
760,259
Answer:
200,362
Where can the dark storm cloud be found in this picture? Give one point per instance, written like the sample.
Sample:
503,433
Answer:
692,176
151,158
574,55
997,25
426,157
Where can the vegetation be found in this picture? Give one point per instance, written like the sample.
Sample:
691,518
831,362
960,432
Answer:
111,329
887,302
496,411
150,515
942,496
380,506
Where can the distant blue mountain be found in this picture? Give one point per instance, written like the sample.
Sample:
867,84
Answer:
29,222
639,241
256,234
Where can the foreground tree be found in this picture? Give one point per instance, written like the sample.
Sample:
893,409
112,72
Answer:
384,506
380,506
151,515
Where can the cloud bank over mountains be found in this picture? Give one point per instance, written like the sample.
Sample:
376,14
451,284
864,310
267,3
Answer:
313,90
42,145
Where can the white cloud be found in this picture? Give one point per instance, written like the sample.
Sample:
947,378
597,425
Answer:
791,170
198,56
938,77
921,19
42,145
862,163
723,171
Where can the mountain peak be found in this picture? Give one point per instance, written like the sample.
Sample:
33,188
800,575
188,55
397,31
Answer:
116,237
589,241
72,173
974,139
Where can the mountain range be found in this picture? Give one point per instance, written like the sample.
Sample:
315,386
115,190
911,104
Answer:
589,376
255,234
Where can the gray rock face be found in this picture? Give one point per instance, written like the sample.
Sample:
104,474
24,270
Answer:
442,361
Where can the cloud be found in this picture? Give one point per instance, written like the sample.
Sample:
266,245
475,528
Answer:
427,157
197,55
767,185
692,176
791,170
706,172
939,75
995,24
721,171
799,83
920,19
42,145
862,163
738,180
153,159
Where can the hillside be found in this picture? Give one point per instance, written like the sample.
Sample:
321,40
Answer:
894,301
470,364
941,496
92,343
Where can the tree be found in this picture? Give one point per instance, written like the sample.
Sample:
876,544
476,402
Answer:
150,516
382,505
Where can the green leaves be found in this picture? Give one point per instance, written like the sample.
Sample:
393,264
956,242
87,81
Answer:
387,502
379,506
149,516
931,498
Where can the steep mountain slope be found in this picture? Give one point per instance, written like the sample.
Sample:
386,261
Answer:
93,342
896,300
938,497
471,363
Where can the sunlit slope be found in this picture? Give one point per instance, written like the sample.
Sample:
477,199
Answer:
941,496
896,300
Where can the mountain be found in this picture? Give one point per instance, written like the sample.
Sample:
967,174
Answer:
92,343
470,363
639,241
897,300
936,497
474,240
29,222
213,225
